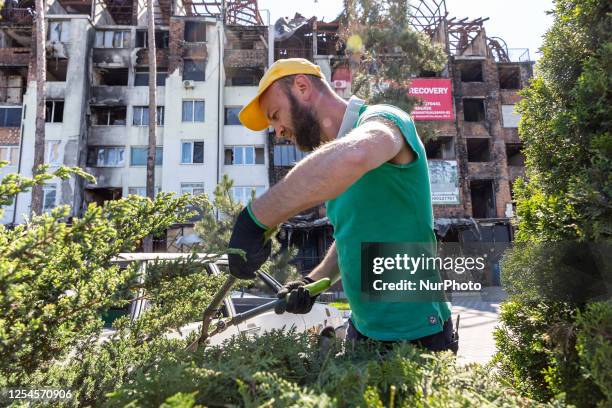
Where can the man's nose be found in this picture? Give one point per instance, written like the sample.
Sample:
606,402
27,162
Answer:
280,131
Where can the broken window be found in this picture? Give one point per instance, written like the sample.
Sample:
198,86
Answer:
473,110
192,152
108,115
471,71
509,77
195,31
49,196
192,188
440,148
101,195
112,76
12,81
161,39
10,154
105,156
57,69
54,111
478,150
141,116
141,77
52,152
193,111
483,198
112,39
10,116
59,31
514,154
138,156
244,194
510,119
194,69
236,155
243,76
287,155
231,115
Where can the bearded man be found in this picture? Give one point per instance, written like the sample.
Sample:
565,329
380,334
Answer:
370,169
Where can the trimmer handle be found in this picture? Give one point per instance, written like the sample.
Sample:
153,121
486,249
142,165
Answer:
318,287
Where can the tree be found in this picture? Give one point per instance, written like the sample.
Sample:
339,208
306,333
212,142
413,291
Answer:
41,78
564,212
384,52
150,185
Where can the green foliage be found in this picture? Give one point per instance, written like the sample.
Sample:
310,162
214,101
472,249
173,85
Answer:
384,50
282,369
57,278
565,205
594,344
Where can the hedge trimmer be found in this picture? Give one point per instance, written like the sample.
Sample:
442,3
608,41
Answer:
313,289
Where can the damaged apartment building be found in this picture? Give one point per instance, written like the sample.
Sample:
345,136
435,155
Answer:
476,154
209,62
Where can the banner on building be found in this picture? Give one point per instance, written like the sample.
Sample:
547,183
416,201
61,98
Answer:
444,180
436,96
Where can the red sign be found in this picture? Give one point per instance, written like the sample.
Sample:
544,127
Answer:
436,96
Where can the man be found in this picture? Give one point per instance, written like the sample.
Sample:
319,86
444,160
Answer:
369,167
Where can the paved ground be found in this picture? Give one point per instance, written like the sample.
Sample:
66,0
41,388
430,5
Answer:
479,316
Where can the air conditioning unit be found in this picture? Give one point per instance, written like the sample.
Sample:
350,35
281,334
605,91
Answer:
188,84
339,84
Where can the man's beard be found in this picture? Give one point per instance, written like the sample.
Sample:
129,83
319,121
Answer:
306,128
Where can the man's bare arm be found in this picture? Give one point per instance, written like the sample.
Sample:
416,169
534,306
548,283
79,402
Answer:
328,268
329,171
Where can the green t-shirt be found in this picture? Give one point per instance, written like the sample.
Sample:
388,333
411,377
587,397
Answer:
391,203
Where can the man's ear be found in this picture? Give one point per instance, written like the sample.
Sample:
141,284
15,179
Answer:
304,87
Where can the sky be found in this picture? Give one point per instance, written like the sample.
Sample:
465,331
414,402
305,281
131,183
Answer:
521,23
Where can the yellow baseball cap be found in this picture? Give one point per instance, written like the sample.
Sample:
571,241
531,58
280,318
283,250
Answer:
251,115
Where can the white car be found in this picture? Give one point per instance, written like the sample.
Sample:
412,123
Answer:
323,319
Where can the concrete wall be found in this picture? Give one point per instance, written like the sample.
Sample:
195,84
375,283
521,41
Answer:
70,133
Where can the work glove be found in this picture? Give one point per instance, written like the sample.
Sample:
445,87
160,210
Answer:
250,236
298,299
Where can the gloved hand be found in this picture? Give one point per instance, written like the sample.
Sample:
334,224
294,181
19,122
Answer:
298,299
248,235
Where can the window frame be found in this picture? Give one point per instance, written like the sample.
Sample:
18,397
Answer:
200,23
203,61
54,103
157,191
193,105
4,116
246,193
163,75
64,35
225,117
192,185
47,188
108,111
125,39
192,143
244,148
97,156
159,119
11,150
159,154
